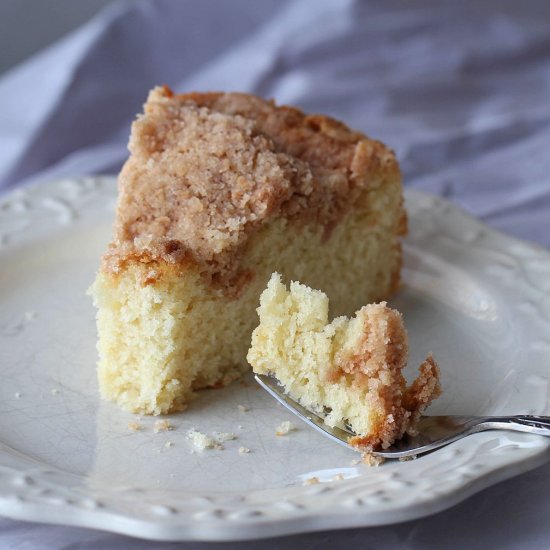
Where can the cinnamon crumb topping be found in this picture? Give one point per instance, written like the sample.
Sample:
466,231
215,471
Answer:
208,170
378,361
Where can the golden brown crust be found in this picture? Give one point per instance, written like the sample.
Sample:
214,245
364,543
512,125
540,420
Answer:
207,170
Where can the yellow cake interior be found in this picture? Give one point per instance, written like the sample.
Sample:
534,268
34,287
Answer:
160,341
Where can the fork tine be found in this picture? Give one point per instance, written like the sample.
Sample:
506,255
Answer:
315,421
432,432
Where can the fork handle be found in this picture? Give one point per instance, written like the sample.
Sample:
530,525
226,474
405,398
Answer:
539,425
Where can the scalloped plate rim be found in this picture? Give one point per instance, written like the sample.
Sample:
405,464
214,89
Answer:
118,522
149,530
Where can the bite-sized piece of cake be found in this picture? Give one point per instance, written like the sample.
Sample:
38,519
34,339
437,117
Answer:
349,369
220,190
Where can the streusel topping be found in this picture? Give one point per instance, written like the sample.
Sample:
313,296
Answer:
207,170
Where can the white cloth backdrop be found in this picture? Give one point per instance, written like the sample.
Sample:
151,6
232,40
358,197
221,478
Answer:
461,91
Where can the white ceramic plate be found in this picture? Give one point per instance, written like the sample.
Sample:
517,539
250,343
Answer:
480,301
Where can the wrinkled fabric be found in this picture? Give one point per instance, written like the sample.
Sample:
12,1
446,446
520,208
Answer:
460,90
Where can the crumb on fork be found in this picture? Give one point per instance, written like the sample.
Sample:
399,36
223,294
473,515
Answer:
407,458
348,370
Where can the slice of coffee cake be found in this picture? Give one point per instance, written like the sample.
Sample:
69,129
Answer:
219,191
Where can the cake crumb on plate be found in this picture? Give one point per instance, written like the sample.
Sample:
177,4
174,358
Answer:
202,441
407,458
243,408
285,428
372,460
163,426
243,450
220,437
311,481
134,426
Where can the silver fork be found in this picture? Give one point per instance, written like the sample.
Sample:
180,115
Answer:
433,431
